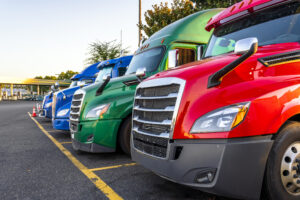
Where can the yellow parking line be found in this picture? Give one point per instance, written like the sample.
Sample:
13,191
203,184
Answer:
99,183
66,143
112,167
54,131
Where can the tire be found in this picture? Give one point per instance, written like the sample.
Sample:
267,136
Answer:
124,135
280,183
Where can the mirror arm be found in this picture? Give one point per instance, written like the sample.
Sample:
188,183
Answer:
140,79
64,96
101,88
215,79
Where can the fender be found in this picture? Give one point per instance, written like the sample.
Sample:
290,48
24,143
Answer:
288,106
65,106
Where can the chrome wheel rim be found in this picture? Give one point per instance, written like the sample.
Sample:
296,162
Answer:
290,169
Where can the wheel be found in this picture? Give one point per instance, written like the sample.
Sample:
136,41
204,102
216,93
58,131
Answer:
124,135
283,167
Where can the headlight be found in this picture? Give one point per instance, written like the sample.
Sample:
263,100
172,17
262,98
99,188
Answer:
221,120
48,105
62,112
98,111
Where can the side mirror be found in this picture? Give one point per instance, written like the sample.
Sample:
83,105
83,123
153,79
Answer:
56,85
173,58
106,77
200,50
244,45
140,73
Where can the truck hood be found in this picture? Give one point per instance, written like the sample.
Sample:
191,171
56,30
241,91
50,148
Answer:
113,84
208,66
70,91
118,88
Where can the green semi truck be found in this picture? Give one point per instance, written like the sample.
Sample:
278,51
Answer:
101,114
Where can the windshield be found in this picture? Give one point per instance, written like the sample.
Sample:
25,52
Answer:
273,26
148,59
104,71
73,84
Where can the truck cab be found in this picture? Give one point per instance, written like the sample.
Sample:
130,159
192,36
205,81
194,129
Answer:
101,120
113,68
230,122
60,106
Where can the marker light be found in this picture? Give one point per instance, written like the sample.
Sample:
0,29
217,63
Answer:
221,120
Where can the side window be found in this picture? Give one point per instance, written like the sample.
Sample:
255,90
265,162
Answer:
87,81
186,56
180,56
122,70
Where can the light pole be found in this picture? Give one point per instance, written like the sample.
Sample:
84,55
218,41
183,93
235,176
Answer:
140,22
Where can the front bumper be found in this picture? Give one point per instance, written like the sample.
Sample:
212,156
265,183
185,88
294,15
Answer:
238,164
61,124
95,136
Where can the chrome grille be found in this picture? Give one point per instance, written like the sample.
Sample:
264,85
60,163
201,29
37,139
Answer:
53,105
154,114
76,106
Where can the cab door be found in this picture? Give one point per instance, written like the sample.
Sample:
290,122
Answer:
180,54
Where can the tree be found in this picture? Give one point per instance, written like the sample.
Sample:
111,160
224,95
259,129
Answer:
50,77
66,75
62,76
161,15
100,51
208,4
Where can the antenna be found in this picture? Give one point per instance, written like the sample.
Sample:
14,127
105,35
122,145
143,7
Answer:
121,41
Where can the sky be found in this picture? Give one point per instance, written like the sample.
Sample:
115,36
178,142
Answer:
46,37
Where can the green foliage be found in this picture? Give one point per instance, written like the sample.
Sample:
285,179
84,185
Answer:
62,76
161,15
66,75
100,51
50,77
208,4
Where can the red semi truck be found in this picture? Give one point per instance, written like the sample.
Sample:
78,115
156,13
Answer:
230,123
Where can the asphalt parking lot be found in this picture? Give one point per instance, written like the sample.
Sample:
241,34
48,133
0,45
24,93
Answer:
38,162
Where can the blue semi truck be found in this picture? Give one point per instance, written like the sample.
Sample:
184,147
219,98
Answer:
62,99
87,76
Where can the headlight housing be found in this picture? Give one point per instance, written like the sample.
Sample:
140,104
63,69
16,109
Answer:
62,112
221,120
48,105
98,111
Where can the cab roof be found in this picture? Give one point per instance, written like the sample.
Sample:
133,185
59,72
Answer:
90,71
239,10
113,61
190,29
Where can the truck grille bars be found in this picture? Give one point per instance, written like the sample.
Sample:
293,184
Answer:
75,109
154,114
53,105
